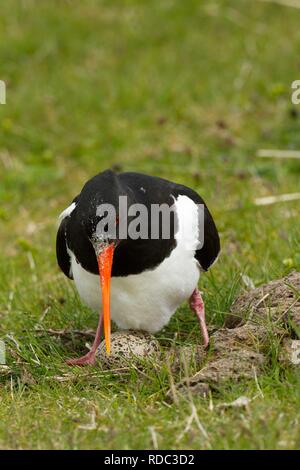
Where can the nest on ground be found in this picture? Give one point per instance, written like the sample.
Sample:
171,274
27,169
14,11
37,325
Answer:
238,351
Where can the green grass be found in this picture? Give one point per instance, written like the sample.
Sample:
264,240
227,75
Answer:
185,90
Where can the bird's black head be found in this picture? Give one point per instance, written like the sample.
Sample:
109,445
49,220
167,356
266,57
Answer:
99,208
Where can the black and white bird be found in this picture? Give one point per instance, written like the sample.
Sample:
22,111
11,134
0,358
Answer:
138,282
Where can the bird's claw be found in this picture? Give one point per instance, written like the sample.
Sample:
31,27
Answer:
87,359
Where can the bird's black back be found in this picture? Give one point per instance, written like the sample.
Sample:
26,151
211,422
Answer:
133,256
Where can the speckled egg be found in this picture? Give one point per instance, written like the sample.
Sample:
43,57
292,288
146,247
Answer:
128,347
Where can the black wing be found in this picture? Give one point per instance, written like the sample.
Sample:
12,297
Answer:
62,256
161,190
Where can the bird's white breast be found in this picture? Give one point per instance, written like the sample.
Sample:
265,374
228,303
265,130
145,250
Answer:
147,301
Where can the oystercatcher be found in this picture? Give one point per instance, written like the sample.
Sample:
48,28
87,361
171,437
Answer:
138,279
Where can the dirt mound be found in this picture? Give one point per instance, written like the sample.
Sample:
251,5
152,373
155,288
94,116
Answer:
234,365
238,351
279,301
235,354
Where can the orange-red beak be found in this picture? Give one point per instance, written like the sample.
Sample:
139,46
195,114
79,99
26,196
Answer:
105,260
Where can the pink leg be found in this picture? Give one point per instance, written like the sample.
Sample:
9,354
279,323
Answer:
197,305
90,357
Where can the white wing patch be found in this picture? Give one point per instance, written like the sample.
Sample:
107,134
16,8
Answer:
68,211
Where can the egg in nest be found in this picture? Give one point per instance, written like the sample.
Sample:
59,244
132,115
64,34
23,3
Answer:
128,347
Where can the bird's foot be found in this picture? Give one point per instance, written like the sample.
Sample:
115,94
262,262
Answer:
205,335
87,359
